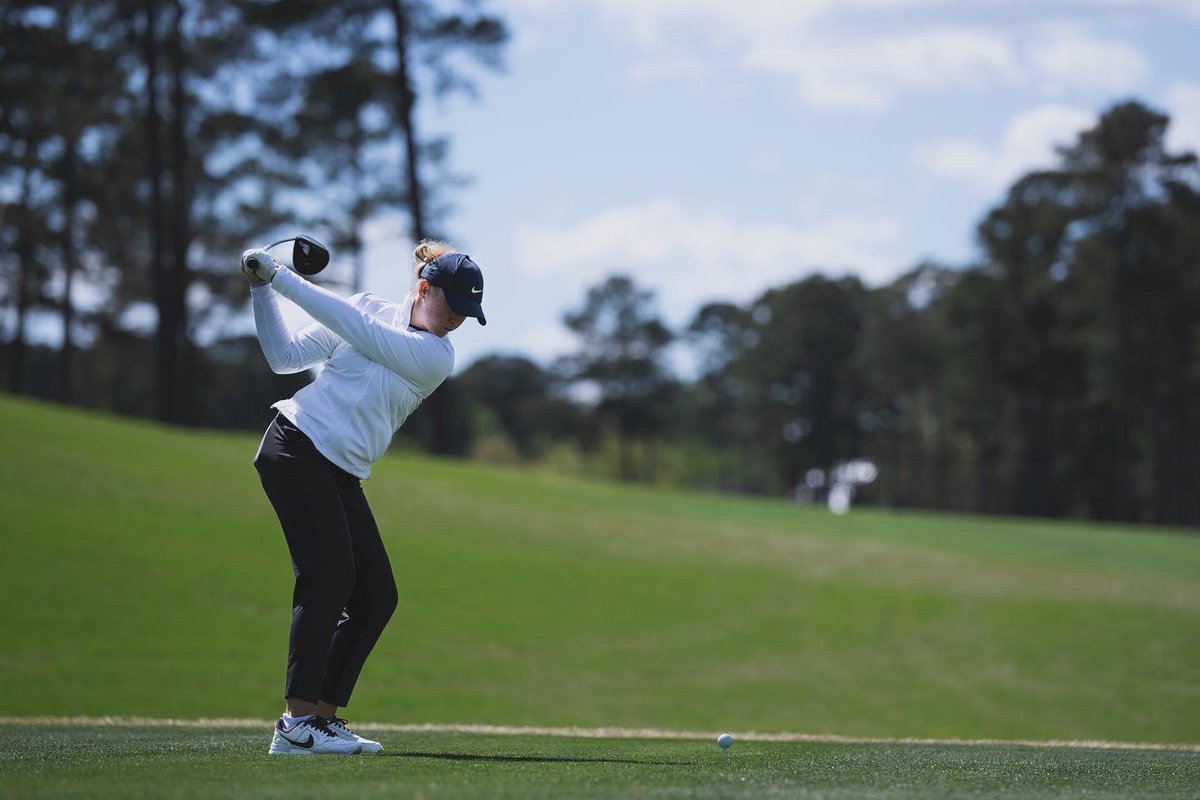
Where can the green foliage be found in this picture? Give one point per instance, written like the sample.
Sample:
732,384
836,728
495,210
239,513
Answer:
1052,379
516,398
622,361
143,145
135,158
802,394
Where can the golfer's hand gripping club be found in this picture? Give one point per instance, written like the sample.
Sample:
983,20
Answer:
258,265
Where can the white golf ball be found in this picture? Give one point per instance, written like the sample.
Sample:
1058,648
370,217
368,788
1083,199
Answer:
725,740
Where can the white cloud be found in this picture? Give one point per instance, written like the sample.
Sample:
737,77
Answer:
691,257
659,24
820,47
1065,57
1181,7
867,73
1028,143
780,38
1183,104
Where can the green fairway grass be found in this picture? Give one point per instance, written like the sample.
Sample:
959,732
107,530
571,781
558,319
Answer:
145,574
153,762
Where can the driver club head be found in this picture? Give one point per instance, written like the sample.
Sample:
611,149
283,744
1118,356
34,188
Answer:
309,256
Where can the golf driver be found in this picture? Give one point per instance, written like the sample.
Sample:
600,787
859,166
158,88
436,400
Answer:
309,256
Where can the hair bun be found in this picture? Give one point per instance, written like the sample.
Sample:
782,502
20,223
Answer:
427,250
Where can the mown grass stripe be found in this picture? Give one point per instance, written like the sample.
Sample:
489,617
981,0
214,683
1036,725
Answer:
604,733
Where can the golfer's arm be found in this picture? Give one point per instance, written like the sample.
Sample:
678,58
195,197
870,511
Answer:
287,352
398,349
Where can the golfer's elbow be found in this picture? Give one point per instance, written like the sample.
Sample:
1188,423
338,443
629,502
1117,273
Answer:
287,369
283,363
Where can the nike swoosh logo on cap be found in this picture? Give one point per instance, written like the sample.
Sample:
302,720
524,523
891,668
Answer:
476,291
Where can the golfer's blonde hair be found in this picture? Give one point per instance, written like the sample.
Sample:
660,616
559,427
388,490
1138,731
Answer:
427,251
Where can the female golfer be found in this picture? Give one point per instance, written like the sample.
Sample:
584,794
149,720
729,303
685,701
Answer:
380,360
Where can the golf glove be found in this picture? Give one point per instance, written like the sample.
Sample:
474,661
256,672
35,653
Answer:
259,265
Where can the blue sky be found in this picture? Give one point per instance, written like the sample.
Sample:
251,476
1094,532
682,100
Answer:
713,149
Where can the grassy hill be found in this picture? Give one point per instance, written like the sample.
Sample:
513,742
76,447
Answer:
145,574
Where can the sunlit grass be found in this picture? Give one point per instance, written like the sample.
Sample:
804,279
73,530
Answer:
146,574
151,762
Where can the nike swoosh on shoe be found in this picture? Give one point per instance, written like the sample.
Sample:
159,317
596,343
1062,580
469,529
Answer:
305,745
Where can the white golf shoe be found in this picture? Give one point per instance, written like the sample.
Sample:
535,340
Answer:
310,737
342,729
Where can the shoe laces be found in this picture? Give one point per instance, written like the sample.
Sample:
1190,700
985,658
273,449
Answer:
338,722
318,724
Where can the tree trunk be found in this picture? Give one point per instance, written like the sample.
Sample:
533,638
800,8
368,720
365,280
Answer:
1165,466
360,270
358,277
1036,439
16,377
1192,459
1171,433
407,101
70,266
181,185
407,97
1109,479
165,351
991,495
624,457
1171,417
1120,500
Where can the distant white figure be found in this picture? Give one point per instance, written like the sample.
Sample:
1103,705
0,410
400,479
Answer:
840,497
847,476
837,486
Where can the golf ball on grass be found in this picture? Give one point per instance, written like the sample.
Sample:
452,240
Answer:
724,740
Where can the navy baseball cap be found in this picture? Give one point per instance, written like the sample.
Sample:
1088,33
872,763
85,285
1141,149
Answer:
462,282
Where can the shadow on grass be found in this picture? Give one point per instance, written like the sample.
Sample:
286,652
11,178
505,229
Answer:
535,759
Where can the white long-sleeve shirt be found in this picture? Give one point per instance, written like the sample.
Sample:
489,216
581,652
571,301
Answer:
376,369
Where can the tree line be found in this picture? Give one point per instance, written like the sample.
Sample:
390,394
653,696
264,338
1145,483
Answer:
1057,376
144,144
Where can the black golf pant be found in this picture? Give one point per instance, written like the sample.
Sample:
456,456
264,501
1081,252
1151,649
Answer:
345,593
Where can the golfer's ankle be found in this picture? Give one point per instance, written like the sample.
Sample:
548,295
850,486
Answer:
300,708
